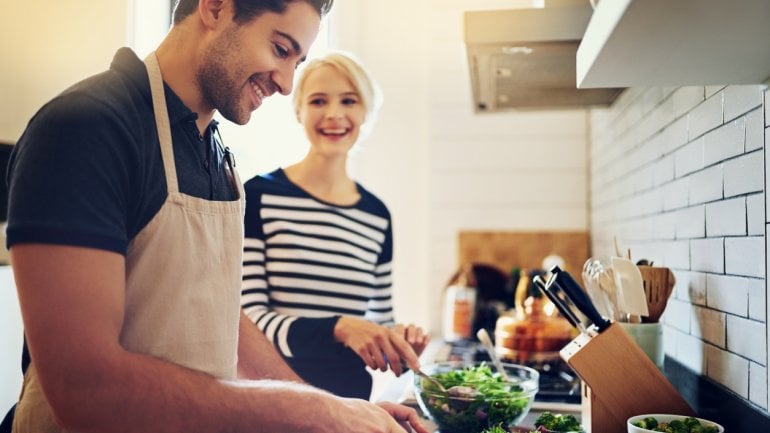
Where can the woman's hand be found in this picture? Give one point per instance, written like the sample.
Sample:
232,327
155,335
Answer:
379,347
415,336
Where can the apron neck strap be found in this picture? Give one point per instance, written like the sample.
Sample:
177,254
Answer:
161,121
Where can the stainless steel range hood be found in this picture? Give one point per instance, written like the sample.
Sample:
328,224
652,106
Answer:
525,59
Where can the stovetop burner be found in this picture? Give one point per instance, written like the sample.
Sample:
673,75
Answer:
558,382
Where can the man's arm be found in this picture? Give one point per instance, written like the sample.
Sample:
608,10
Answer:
258,358
72,302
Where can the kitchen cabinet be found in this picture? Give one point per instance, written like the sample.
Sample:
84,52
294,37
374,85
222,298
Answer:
632,43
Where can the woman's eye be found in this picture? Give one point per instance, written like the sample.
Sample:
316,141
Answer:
350,101
316,101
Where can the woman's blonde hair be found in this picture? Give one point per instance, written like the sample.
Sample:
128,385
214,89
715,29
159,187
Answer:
354,71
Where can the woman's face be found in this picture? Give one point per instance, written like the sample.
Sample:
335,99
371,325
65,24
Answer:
331,111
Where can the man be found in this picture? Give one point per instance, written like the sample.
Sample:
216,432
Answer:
125,233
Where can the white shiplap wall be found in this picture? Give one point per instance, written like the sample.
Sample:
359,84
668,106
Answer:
517,170
440,167
678,176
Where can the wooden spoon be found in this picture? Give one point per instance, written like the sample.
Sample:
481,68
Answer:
658,285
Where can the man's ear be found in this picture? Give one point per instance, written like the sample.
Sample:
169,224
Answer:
211,11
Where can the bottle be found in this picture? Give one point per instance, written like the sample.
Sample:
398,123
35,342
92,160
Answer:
460,306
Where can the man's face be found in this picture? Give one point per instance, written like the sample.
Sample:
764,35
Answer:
245,64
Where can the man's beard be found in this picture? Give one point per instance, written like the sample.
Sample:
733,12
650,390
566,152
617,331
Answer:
217,83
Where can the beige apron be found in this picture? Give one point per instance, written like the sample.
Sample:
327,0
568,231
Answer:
183,280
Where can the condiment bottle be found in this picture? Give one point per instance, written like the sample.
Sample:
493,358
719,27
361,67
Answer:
460,306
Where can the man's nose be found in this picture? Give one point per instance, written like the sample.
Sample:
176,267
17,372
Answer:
284,79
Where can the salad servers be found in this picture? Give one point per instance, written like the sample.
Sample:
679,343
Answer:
458,392
483,337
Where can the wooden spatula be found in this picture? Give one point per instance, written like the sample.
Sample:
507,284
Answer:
658,285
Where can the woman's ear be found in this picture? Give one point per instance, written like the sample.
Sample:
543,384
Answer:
211,11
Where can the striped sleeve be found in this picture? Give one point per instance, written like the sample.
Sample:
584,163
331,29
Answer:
307,263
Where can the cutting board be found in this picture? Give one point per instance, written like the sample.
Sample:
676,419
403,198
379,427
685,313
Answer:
524,249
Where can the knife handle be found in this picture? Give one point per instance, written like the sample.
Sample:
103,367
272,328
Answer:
579,297
560,305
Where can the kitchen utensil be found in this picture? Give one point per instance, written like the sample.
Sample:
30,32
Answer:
629,281
483,336
598,273
430,379
560,304
591,272
578,296
458,391
658,285
605,279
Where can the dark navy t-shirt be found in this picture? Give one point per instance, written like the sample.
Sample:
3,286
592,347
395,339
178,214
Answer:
88,170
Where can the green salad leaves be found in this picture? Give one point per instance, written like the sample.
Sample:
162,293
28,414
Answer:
498,403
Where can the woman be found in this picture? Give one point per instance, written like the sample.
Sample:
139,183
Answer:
318,250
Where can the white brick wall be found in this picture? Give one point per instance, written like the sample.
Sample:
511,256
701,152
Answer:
680,179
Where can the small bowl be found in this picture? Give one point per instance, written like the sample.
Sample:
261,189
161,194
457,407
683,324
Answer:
453,414
666,418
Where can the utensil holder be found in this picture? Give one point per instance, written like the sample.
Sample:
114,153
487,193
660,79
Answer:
619,381
649,337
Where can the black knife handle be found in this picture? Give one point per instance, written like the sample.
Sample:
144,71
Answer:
579,297
563,309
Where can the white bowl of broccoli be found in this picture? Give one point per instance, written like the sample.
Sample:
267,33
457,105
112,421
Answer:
651,423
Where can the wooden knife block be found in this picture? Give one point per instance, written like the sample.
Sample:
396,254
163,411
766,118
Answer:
619,381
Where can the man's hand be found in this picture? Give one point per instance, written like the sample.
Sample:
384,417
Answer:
405,416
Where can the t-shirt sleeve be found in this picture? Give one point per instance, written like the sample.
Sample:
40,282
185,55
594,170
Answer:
69,177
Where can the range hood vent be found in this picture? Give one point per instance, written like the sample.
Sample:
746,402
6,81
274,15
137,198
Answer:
525,59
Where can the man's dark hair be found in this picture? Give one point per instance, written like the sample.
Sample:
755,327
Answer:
246,10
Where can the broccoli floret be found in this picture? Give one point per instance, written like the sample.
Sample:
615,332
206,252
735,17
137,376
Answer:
545,419
558,422
496,429
678,426
691,422
648,423
688,425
